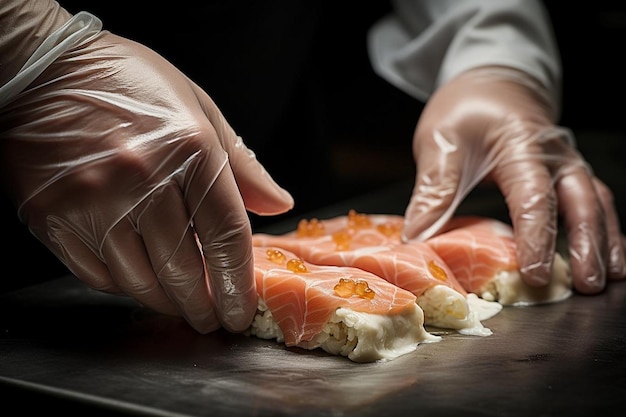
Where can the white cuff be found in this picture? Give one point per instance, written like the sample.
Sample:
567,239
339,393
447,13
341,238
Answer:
82,27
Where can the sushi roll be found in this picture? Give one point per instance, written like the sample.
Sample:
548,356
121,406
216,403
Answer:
372,243
342,310
481,253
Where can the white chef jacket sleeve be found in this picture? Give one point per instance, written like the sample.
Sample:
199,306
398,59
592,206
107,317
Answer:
422,44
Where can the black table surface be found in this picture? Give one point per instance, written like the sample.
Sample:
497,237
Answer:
66,347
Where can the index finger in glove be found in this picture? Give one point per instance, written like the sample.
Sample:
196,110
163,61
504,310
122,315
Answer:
224,233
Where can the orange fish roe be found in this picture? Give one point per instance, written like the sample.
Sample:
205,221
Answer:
363,290
358,220
310,228
345,287
348,287
388,229
437,271
342,240
297,266
276,256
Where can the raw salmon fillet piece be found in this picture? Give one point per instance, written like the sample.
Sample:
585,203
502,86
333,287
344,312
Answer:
372,243
481,253
343,310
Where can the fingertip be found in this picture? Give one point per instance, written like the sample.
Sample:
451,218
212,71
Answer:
535,237
589,272
536,274
427,213
424,226
590,284
589,257
617,260
238,326
235,294
279,201
238,317
205,325
409,232
262,195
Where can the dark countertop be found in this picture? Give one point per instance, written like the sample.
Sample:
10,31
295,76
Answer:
66,347
75,349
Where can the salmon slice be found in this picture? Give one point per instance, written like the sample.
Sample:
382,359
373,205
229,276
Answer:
372,243
481,253
342,310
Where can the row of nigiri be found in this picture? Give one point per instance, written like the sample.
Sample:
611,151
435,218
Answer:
310,283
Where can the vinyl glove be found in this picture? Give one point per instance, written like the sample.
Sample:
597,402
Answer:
120,165
498,124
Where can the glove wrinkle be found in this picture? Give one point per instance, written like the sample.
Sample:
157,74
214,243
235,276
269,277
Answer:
116,161
498,123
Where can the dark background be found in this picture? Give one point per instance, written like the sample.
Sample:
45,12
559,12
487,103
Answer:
294,80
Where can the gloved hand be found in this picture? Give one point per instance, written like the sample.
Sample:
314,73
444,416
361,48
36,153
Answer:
497,124
121,165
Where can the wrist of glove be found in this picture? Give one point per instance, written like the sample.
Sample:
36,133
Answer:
81,28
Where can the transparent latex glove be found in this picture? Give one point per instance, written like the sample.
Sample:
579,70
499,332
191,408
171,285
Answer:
497,124
120,165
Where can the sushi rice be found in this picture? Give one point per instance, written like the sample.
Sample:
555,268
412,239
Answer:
362,337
